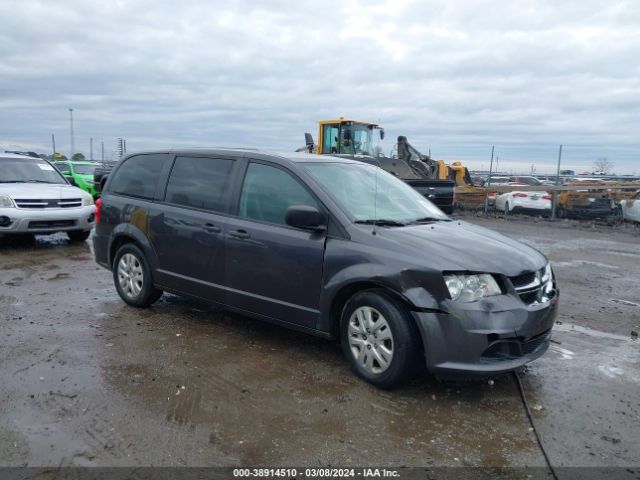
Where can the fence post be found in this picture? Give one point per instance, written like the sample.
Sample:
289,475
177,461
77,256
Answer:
554,198
486,194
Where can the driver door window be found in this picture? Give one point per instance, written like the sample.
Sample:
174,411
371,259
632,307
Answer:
267,192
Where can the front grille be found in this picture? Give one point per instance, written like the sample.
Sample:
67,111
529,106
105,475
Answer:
51,224
531,345
48,203
514,348
523,280
529,286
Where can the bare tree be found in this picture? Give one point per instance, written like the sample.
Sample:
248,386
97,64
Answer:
603,165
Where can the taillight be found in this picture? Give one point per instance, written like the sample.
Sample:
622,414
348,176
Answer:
521,195
98,208
547,197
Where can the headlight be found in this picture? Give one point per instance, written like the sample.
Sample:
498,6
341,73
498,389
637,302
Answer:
6,202
546,274
469,288
547,279
87,201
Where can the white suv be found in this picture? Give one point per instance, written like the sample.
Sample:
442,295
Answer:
36,198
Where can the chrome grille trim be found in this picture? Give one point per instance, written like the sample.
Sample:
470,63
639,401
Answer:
48,203
530,287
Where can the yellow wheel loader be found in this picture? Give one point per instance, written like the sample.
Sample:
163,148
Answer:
363,141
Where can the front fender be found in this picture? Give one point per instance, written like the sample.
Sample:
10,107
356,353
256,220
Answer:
346,269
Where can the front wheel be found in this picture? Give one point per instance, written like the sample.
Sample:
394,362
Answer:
380,339
132,277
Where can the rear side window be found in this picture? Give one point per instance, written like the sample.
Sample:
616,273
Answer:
267,192
138,176
200,182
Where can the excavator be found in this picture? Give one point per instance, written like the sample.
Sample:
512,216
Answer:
359,140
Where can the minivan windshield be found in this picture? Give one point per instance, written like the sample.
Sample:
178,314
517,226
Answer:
371,195
28,170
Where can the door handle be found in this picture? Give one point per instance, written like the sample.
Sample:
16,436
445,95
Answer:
241,234
211,228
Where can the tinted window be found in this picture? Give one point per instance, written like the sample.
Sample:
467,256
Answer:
138,176
268,192
199,182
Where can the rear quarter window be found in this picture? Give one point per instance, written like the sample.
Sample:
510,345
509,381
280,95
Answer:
138,176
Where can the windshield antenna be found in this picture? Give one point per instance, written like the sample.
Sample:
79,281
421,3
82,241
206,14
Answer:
375,200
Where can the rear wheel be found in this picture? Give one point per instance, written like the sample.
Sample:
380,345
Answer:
506,209
380,339
132,277
78,235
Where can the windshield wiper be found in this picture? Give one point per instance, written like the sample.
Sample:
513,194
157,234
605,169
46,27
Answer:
382,222
429,220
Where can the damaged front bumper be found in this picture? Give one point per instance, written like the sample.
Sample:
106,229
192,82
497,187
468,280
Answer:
494,335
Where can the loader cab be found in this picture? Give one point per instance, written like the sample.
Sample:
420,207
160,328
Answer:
348,137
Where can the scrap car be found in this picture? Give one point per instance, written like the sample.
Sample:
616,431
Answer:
36,198
330,246
527,202
80,174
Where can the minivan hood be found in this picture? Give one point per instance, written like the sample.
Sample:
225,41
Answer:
461,246
40,191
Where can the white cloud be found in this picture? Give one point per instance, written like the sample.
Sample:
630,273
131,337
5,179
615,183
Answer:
456,77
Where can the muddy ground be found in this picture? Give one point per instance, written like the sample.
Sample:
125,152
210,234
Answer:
86,380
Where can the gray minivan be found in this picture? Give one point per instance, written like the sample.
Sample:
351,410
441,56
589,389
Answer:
330,246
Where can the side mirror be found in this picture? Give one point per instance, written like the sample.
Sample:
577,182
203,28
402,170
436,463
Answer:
304,216
382,134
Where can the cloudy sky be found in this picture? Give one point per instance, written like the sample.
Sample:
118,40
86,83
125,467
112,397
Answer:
456,77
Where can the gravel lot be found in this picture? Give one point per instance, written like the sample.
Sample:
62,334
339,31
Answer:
88,381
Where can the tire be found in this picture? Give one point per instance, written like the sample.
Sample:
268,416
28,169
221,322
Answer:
396,340
78,235
506,209
132,277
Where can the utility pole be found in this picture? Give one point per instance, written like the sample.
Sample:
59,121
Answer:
91,148
486,195
53,144
102,147
73,141
555,192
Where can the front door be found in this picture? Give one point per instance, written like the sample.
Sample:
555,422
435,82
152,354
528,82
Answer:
273,269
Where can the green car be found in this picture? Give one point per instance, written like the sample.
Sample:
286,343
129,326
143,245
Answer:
79,174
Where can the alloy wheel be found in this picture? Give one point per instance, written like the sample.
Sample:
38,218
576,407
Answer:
130,275
370,339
